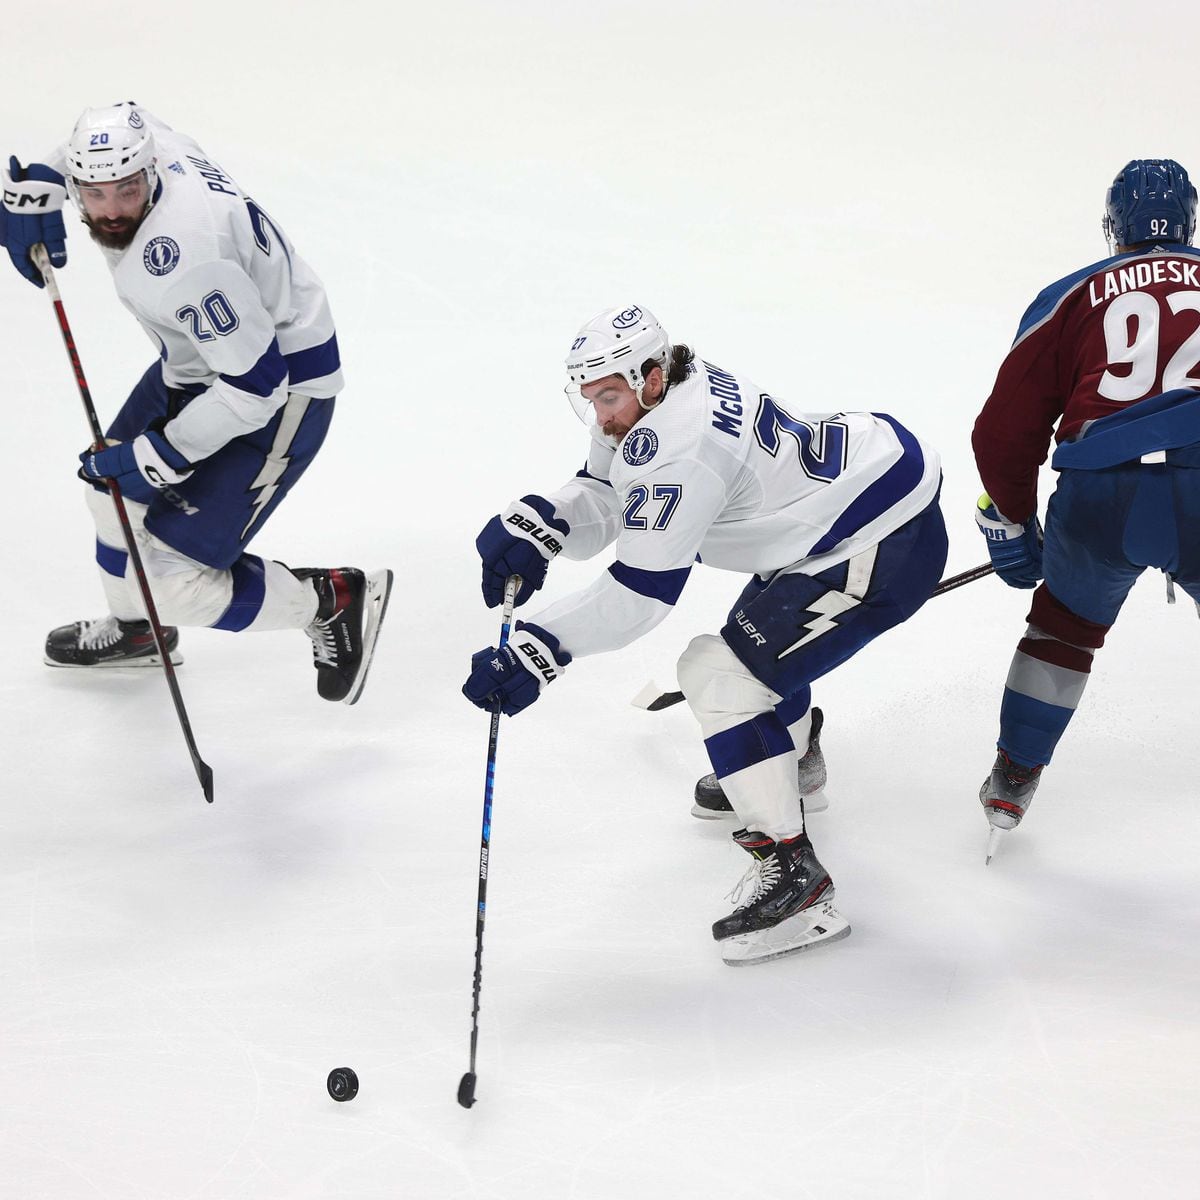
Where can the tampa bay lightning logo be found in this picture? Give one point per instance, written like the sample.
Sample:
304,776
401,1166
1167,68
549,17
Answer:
639,446
161,255
135,120
623,320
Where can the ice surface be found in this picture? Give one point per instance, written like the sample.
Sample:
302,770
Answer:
853,203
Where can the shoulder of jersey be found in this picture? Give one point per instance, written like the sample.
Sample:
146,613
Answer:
672,430
1051,297
184,231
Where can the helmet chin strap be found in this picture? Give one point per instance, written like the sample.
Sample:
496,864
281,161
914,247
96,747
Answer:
637,391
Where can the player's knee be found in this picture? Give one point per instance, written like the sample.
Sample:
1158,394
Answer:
186,592
716,682
1051,616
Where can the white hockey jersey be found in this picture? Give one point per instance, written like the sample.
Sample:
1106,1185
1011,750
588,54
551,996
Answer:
228,303
721,473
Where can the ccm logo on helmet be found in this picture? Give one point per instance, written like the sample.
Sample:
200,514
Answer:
538,661
536,532
623,320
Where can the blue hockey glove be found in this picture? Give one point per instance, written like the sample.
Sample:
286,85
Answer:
521,541
32,213
1016,550
147,464
515,676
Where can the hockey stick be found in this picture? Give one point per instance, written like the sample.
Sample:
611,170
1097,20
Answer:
203,771
466,1085
652,700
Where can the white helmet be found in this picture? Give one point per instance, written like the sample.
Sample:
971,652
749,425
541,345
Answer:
109,144
617,342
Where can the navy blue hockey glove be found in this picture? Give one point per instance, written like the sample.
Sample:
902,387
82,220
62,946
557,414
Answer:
520,541
515,676
32,213
142,467
1016,550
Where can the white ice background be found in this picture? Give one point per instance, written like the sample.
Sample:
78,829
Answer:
851,202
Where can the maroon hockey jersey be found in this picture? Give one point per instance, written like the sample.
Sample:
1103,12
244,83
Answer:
1108,336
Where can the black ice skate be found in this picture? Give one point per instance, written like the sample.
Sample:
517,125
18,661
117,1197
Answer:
1008,791
350,611
108,643
1006,795
711,802
789,910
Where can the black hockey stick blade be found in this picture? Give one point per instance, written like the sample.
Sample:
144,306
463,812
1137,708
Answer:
206,778
466,1089
664,701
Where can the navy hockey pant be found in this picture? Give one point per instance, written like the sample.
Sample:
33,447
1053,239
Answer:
791,629
212,515
1103,529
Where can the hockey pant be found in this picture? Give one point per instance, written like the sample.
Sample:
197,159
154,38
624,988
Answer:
749,687
193,536
1103,529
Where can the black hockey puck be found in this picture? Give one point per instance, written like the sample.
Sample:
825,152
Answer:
342,1084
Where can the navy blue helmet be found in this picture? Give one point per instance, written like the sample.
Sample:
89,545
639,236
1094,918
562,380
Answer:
1151,200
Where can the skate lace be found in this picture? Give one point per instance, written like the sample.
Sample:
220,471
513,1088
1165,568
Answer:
95,635
324,642
762,875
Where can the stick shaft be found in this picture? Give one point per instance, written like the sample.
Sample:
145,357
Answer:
203,770
511,587
957,581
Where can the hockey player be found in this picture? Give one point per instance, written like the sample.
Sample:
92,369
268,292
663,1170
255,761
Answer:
834,516
1111,354
223,424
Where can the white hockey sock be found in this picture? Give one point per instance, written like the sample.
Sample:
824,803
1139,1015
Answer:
723,695
288,602
124,604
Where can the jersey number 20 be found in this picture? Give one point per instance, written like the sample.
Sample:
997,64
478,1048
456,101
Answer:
214,318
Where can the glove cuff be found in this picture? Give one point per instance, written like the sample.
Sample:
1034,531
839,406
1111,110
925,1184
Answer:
993,524
159,461
532,519
34,198
538,651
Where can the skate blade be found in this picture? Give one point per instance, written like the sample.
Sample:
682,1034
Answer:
128,664
817,802
379,589
813,926
996,837
711,814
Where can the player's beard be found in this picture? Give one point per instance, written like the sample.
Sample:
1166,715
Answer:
113,235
